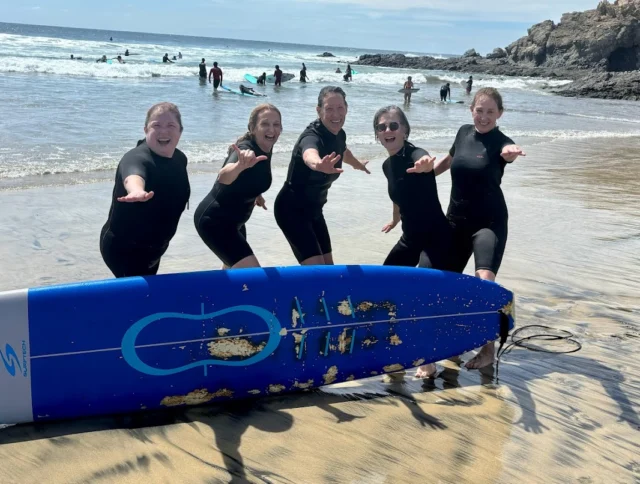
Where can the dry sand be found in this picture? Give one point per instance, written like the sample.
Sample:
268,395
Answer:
572,260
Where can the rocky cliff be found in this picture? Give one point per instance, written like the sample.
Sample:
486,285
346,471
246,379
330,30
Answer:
604,40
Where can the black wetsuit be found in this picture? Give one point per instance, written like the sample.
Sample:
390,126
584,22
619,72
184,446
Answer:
444,91
220,218
477,209
303,75
424,225
469,84
298,206
203,70
137,234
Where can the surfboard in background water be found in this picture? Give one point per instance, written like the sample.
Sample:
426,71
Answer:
285,77
124,345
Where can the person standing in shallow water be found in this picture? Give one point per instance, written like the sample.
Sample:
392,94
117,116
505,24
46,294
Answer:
150,193
477,208
316,162
245,175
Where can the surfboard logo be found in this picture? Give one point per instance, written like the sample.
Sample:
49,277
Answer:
129,348
10,360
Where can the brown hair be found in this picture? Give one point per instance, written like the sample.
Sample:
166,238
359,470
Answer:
253,121
391,109
489,92
326,90
162,107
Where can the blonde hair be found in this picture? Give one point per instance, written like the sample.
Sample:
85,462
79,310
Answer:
253,121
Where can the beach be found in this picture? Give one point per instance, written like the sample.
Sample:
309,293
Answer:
571,259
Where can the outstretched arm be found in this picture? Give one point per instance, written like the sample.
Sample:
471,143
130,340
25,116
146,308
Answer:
352,161
442,165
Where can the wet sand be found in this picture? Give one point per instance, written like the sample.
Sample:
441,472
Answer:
572,259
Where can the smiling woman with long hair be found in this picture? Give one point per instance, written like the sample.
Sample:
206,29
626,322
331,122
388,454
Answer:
245,175
477,208
150,193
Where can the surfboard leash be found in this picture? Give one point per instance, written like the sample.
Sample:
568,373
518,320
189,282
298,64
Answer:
547,334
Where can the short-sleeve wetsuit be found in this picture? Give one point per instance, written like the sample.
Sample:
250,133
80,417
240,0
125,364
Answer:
221,217
477,208
137,234
298,206
424,225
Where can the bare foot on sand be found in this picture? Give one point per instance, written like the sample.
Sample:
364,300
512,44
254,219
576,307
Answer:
485,357
426,371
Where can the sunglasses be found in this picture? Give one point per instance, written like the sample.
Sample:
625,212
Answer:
382,127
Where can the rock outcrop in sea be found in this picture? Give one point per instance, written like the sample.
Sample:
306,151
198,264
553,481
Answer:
598,49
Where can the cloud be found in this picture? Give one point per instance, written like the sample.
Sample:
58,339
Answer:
35,8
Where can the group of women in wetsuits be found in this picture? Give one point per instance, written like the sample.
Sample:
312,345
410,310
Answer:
152,190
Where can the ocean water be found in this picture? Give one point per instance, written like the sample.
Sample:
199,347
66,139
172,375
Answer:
69,121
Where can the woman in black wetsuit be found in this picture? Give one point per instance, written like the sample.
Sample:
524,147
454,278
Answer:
151,191
245,175
413,191
316,163
477,208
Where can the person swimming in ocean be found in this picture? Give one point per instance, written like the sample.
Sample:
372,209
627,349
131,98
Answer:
262,80
166,59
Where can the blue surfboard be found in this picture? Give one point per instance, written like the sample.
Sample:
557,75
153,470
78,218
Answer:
131,344
237,91
251,79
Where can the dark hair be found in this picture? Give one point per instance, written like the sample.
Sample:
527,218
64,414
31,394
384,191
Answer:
277,66
161,108
203,59
489,92
215,64
388,109
253,121
326,90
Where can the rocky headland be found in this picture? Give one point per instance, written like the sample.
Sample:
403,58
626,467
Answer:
598,49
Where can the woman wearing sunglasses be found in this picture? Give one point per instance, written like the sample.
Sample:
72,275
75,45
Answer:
426,234
413,191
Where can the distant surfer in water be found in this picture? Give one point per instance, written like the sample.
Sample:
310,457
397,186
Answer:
303,73
120,61
412,188
445,90
477,208
245,175
469,84
150,193
408,85
348,76
216,73
278,76
203,70
126,52
247,90
166,59
316,162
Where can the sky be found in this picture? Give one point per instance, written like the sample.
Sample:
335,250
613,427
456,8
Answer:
429,26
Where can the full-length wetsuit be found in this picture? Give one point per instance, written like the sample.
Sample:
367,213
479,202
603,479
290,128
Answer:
477,208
